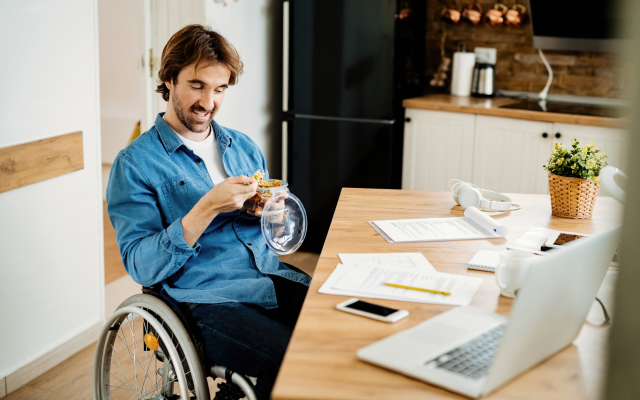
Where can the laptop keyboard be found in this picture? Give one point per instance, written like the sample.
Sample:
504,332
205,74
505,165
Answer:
473,358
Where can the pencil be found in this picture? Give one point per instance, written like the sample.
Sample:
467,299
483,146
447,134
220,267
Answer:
417,288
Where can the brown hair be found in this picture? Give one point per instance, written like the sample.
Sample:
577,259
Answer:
195,44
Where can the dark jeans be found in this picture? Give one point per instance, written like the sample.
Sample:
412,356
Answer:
247,338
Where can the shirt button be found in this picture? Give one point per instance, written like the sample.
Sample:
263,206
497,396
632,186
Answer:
249,244
198,160
181,183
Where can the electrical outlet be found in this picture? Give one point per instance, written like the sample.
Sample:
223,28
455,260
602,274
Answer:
485,55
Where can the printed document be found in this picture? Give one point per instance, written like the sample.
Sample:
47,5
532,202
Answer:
362,275
474,225
392,260
369,281
412,261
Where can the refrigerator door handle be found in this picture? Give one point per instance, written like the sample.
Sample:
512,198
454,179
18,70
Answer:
285,56
341,119
285,88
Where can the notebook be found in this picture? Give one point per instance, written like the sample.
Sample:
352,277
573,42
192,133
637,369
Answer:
485,260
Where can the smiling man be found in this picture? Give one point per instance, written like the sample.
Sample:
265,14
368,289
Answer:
174,198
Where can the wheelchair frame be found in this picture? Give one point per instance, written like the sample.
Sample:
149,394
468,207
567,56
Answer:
163,318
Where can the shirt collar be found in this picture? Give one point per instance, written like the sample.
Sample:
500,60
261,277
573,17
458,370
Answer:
172,142
221,135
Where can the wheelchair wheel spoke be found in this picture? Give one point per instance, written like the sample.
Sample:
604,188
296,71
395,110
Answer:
145,325
154,385
134,346
155,367
133,353
137,348
138,392
123,373
117,387
124,383
133,364
140,363
148,373
170,382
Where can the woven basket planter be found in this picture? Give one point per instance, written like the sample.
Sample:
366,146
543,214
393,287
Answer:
572,197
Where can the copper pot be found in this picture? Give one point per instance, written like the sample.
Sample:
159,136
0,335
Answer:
450,14
495,16
516,16
473,13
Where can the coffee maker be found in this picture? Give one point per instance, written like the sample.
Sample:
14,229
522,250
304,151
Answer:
482,80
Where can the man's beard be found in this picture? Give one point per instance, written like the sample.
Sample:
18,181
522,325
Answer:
187,120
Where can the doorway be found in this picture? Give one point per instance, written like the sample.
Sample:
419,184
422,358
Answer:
132,34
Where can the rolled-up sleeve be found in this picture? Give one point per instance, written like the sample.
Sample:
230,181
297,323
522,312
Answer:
151,251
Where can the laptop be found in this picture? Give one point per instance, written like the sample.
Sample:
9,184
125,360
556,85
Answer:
473,352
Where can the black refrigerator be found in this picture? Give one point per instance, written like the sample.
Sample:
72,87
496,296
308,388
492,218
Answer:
346,71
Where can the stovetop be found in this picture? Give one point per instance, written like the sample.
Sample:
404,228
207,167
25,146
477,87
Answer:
567,108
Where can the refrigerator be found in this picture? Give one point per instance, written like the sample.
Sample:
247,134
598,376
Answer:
344,76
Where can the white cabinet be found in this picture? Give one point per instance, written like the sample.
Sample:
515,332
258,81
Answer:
495,153
609,140
438,146
509,154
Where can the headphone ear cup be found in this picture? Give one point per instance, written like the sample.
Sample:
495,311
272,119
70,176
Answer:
457,189
470,198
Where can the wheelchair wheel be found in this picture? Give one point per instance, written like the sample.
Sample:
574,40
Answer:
145,352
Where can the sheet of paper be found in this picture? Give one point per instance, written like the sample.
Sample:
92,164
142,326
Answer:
369,281
486,222
431,229
388,260
392,260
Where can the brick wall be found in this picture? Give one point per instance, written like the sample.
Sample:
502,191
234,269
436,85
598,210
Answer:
518,65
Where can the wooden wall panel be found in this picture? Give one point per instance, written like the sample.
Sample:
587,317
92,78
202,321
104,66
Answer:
33,162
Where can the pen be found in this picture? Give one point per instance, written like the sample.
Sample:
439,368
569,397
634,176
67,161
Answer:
417,288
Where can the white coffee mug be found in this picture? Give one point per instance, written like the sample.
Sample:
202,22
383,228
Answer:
512,271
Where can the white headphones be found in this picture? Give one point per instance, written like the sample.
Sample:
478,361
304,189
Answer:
469,195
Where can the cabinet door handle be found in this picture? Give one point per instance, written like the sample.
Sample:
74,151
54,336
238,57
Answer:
407,119
544,135
558,135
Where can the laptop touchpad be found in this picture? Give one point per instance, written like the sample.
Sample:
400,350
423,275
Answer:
438,334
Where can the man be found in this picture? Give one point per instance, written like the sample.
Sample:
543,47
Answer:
174,198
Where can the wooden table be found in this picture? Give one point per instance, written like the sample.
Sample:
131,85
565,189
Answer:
321,362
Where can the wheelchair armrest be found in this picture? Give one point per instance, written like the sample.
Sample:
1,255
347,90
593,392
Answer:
155,290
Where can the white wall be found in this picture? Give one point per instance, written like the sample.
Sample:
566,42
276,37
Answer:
253,106
122,72
167,18
51,246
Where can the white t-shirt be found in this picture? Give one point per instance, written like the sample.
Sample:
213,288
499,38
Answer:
208,151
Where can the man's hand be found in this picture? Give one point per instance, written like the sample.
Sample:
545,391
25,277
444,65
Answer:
276,208
229,195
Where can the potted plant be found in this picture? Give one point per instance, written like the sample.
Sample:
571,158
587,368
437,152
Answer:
573,179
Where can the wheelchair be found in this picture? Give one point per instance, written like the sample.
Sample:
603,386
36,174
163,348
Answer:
146,351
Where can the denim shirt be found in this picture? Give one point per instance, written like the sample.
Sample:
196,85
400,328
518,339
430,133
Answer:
154,182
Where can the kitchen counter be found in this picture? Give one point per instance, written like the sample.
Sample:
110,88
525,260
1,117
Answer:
491,106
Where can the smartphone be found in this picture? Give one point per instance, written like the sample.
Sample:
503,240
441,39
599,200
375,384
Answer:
362,308
564,238
561,239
